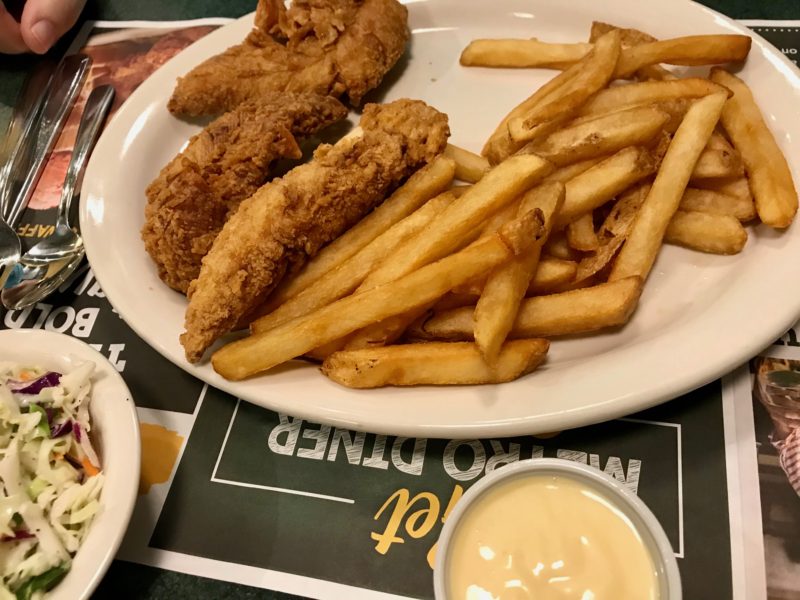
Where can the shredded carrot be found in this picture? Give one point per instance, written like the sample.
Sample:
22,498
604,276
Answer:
26,375
90,469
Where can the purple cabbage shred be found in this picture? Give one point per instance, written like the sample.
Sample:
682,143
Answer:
61,429
76,430
48,380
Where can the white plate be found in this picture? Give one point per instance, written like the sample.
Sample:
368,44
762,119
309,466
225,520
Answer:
115,436
699,317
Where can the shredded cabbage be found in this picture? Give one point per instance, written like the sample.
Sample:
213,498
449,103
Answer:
50,486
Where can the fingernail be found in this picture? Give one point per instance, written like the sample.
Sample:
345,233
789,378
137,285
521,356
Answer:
45,34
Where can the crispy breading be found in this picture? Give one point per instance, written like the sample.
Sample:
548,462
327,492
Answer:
190,200
291,218
330,47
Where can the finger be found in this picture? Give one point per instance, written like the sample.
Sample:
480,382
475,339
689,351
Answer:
11,41
44,21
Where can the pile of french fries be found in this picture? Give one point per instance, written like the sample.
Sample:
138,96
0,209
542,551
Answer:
556,229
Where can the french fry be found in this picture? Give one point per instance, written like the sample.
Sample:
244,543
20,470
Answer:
633,37
644,241
718,164
455,300
715,234
460,220
576,311
348,275
506,285
596,70
619,221
770,178
604,135
509,53
384,332
629,37
558,247
612,234
433,364
500,145
601,183
649,92
420,187
469,166
693,50
459,190
739,188
718,203
564,174
676,109
261,352
551,274
581,234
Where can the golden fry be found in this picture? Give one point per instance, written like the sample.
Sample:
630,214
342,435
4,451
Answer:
458,363
469,166
558,247
564,174
715,234
551,274
718,203
261,352
521,53
460,220
718,164
581,234
596,71
693,50
769,174
500,145
604,181
644,241
604,135
506,285
649,92
567,313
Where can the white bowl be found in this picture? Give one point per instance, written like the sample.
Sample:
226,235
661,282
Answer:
115,436
643,519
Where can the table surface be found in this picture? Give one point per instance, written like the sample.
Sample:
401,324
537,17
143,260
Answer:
127,580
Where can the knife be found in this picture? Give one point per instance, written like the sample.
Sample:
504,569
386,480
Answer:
30,159
26,110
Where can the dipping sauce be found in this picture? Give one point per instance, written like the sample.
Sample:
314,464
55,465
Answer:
548,537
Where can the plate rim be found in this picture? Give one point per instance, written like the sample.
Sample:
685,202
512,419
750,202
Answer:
712,369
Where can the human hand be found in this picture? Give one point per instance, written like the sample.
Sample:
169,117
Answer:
42,23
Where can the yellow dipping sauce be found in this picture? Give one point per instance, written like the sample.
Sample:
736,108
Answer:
547,536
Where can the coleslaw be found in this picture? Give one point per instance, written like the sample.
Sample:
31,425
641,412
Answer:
50,475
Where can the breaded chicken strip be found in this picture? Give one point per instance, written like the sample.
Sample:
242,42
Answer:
190,200
331,47
291,218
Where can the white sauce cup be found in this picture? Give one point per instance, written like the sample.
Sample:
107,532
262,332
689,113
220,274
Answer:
652,534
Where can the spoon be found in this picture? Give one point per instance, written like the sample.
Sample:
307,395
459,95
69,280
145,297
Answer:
64,242
50,262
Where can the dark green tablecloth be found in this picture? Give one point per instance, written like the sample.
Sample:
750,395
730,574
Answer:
126,580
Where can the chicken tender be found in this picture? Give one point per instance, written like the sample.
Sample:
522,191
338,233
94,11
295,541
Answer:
291,218
330,47
192,197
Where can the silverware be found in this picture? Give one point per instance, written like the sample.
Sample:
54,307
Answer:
27,108
64,88
36,140
64,242
48,264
